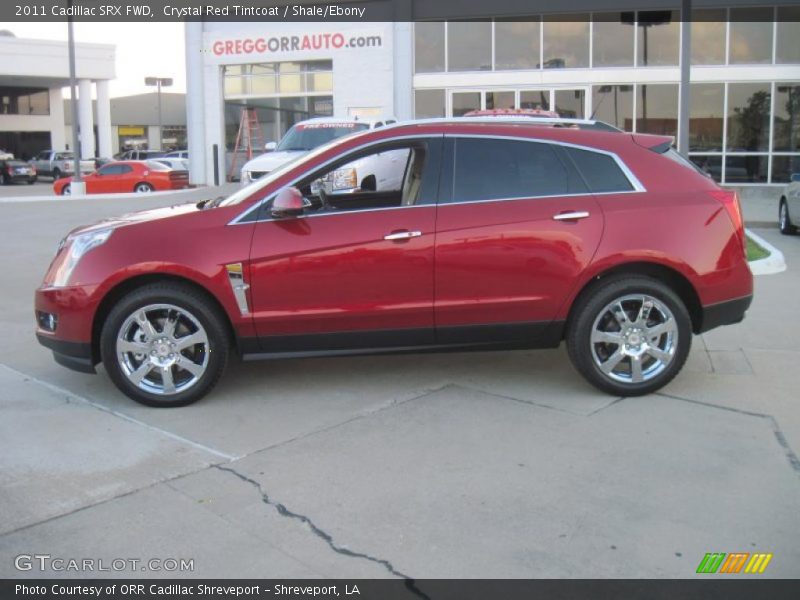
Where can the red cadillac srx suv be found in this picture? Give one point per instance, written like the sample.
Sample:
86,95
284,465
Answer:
497,234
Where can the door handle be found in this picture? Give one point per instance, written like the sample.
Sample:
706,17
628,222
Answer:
571,216
402,235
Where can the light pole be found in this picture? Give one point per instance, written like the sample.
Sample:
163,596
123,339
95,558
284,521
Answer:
159,82
77,186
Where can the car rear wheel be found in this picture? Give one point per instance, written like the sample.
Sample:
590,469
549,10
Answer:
66,190
164,345
143,188
784,220
630,336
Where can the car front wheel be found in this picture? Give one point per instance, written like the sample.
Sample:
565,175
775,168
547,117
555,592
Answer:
784,221
164,345
630,336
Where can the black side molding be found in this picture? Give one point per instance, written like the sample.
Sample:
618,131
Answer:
724,313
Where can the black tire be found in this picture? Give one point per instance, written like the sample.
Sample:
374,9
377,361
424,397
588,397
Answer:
66,190
191,302
56,174
143,188
590,310
784,220
32,181
6,179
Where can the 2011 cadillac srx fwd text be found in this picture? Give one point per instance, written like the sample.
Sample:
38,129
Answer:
496,234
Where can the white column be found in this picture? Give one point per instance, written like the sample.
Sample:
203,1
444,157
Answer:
85,118
104,147
58,129
195,113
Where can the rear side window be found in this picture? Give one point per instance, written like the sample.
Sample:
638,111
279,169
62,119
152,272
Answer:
601,171
493,169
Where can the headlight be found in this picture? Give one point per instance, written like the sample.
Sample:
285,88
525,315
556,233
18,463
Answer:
76,248
345,179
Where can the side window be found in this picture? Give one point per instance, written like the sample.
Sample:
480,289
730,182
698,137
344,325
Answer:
108,170
124,169
601,171
389,176
494,169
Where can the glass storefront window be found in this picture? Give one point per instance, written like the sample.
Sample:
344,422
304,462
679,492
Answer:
706,116
708,36
24,101
786,135
570,103
783,167
748,116
516,45
658,33
429,104
463,102
499,99
612,37
746,169
657,109
708,164
428,47
469,46
787,47
319,82
751,35
613,104
534,99
566,42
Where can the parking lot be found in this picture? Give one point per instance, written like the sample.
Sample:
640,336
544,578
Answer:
490,465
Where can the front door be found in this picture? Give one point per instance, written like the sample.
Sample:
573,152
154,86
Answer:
356,269
517,229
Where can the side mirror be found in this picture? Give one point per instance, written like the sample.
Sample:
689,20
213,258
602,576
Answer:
795,177
288,203
270,146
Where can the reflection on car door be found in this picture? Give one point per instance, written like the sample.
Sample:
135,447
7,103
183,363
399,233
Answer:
341,280
507,253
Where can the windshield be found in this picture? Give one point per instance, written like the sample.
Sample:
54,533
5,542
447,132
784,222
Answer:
307,136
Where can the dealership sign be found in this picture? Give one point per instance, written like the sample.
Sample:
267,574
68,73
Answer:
244,47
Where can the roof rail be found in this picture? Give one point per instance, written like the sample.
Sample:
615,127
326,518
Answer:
524,120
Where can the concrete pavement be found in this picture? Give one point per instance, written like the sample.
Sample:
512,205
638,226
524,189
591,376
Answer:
461,465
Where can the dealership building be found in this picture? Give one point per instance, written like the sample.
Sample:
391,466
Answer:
622,67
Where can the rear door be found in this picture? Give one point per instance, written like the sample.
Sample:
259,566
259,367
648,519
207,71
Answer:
517,227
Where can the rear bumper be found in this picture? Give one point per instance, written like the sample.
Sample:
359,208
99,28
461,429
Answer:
724,313
73,355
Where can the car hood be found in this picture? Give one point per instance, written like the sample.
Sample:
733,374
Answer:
137,217
270,161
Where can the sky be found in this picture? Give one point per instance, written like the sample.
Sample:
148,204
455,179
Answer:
143,50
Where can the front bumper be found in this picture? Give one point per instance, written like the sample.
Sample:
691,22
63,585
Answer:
724,313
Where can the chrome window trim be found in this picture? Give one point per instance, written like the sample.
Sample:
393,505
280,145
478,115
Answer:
238,220
637,185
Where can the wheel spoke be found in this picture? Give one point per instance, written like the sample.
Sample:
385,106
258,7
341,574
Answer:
659,354
192,367
619,314
169,382
130,346
636,369
145,324
606,337
198,337
140,373
660,329
612,361
644,312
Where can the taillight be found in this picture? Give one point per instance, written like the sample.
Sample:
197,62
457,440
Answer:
730,200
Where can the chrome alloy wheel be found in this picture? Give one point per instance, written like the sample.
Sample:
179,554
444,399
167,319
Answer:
634,338
162,349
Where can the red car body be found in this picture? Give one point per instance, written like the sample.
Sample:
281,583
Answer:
500,273
128,176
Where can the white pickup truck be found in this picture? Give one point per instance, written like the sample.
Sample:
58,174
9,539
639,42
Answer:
58,164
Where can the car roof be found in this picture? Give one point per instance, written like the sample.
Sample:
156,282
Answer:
348,120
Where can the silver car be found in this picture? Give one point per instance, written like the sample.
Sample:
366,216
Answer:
789,207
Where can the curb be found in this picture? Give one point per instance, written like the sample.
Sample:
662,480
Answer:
774,263
54,198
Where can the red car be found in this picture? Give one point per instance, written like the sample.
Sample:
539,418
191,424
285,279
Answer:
126,177
500,235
